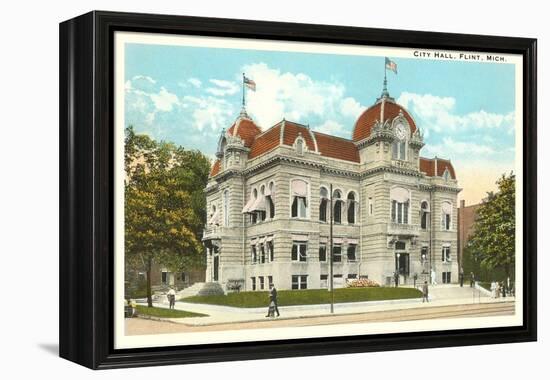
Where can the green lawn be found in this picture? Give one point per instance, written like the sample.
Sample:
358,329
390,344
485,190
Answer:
166,313
307,297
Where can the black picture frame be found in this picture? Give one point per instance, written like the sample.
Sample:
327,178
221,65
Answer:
86,189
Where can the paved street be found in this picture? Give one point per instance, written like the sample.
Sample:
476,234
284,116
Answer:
138,326
447,301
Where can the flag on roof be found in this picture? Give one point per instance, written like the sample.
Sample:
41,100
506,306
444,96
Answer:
391,65
249,83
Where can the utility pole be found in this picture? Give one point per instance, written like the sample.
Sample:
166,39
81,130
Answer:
331,256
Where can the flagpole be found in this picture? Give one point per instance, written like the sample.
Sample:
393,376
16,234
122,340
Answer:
244,90
385,89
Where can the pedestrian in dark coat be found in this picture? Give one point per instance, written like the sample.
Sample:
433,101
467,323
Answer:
425,292
273,307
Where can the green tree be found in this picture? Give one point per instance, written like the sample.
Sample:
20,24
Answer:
492,243
164,205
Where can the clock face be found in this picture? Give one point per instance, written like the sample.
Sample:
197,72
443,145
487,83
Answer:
401,131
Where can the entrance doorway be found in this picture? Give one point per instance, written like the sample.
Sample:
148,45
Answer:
216,264
402,260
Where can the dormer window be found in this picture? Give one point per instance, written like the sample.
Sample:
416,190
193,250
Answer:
446,174
299,145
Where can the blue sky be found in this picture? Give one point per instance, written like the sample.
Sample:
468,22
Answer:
188,94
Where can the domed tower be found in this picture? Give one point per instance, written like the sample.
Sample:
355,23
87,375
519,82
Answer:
234,144
386,133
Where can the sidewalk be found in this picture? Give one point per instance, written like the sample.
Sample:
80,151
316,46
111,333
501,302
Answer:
440,295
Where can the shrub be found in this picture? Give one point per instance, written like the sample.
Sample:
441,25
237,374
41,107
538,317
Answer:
362,283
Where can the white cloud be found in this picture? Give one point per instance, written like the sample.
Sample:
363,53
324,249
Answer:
451,147
332,127
210,112
223,87
438,114
195,82
144,78
164,100
144,97
296,97
351,107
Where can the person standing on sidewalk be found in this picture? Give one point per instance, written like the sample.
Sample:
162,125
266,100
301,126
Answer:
425,292
172,298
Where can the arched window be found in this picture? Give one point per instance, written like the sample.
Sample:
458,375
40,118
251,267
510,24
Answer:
262,205
253,215
270,193
323,204
446,174
226,208
338,206
424,215
446,215
400,201
352,208
298,190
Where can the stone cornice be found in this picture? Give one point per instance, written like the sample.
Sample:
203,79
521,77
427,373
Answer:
432,187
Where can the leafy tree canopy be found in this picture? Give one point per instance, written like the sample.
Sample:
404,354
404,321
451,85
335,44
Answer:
164,203
492,243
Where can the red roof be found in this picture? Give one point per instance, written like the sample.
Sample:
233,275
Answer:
336,147
328,146
368,118
428,165
215,168
245,129
265,142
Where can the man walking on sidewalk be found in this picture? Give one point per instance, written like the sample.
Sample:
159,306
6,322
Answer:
273,307
425,292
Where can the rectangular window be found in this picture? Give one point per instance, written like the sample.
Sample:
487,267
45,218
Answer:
447,222
253,282
270,250
424,254
262,253
324,281
262,282
299,282
164,277
352,276
270,281
338,281
253,254
323,252
299,207
446,277
299,251
352,248
370,206
446,254
337,253
400,212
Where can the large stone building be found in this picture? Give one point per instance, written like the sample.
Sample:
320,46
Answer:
269,213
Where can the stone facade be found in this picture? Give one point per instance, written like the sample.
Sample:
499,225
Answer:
269,212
